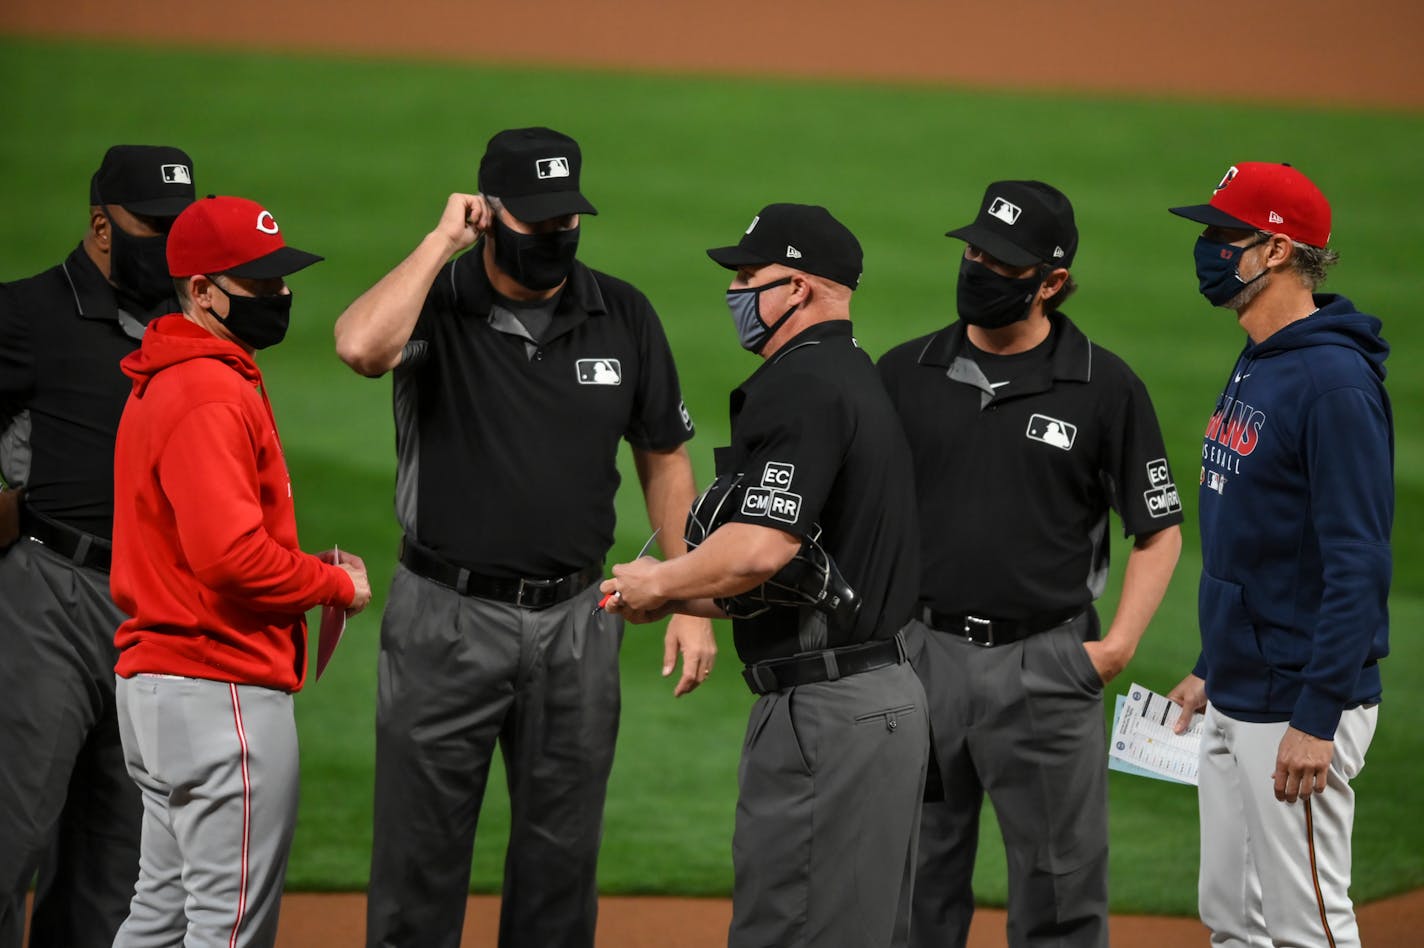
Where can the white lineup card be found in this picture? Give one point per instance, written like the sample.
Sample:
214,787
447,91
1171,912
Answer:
1143,742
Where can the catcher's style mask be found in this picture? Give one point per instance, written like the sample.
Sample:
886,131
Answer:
811,579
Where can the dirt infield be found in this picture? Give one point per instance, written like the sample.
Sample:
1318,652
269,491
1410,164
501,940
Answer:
336,921
1319,52
1313,51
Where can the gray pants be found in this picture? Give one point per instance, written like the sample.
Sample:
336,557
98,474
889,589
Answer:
66,806
830,783
216,764
458,674
1025,723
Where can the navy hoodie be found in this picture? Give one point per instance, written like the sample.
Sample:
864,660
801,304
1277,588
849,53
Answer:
1297,499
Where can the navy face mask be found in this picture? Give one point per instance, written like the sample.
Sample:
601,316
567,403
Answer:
259,321
752,330
1217,275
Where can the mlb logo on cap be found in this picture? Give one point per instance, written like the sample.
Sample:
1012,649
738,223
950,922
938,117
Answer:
1005,211
176,174
553,167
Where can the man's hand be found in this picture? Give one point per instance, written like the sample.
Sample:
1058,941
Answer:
466,216
692,636
1190,693
636,586
9,516
355,567
1107,657
1302,765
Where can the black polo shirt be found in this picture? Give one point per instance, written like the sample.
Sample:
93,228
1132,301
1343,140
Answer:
507,446
1015,482
817,441
61,339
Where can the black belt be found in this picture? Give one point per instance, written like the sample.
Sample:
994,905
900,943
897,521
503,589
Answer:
526,593
808,668
80,548
991,632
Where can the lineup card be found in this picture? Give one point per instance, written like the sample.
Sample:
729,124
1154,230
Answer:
1143,741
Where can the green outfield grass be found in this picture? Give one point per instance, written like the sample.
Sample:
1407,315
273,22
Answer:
356,158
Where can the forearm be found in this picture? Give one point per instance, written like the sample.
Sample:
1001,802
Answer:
373,330
1149,570
668,490
736,558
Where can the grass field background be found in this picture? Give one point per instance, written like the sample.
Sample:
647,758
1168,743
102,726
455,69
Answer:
355,159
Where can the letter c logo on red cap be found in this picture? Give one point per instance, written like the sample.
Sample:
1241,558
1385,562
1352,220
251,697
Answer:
266,223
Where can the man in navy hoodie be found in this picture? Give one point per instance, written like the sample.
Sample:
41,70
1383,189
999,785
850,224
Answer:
1297,499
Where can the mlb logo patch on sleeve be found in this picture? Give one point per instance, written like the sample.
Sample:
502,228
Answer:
600,372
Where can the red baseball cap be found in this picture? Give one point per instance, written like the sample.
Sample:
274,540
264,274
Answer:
1261,195
231,235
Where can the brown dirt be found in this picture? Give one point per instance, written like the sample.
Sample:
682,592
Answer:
337,921
1317,52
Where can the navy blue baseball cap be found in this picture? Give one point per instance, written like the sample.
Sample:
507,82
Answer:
535,173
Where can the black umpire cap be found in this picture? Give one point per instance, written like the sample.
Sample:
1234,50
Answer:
801,236
535,173
1023,223
152,180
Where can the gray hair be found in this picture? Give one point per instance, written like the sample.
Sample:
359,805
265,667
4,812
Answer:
1309,263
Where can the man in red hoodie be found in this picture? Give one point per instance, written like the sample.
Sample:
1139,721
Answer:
207,566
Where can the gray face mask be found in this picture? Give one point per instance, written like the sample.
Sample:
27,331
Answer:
752,330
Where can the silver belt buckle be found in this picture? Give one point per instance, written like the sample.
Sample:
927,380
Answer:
531,584
979,631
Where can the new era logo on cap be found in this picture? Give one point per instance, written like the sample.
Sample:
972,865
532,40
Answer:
1005,211
1275,218
792,253
552,167
176,174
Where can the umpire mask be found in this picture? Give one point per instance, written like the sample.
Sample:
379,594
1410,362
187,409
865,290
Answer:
138,268
752,330
991,300
535,261
259,321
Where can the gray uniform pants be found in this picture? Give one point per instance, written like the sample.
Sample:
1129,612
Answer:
216,764
66,805
1025,722
458,674
830,783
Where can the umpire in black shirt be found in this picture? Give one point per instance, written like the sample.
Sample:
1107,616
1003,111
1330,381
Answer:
1024,435
517,372
67,806
807,540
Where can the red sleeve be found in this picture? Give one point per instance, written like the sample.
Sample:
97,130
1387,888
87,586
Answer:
208,472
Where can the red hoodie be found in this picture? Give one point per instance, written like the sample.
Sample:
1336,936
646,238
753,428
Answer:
205,558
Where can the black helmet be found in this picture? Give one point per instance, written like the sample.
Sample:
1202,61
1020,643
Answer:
810,579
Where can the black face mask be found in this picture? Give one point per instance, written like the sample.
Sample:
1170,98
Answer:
259,321
992,301
138,268
535,261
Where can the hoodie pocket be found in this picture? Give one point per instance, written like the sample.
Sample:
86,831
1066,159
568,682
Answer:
1237,671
